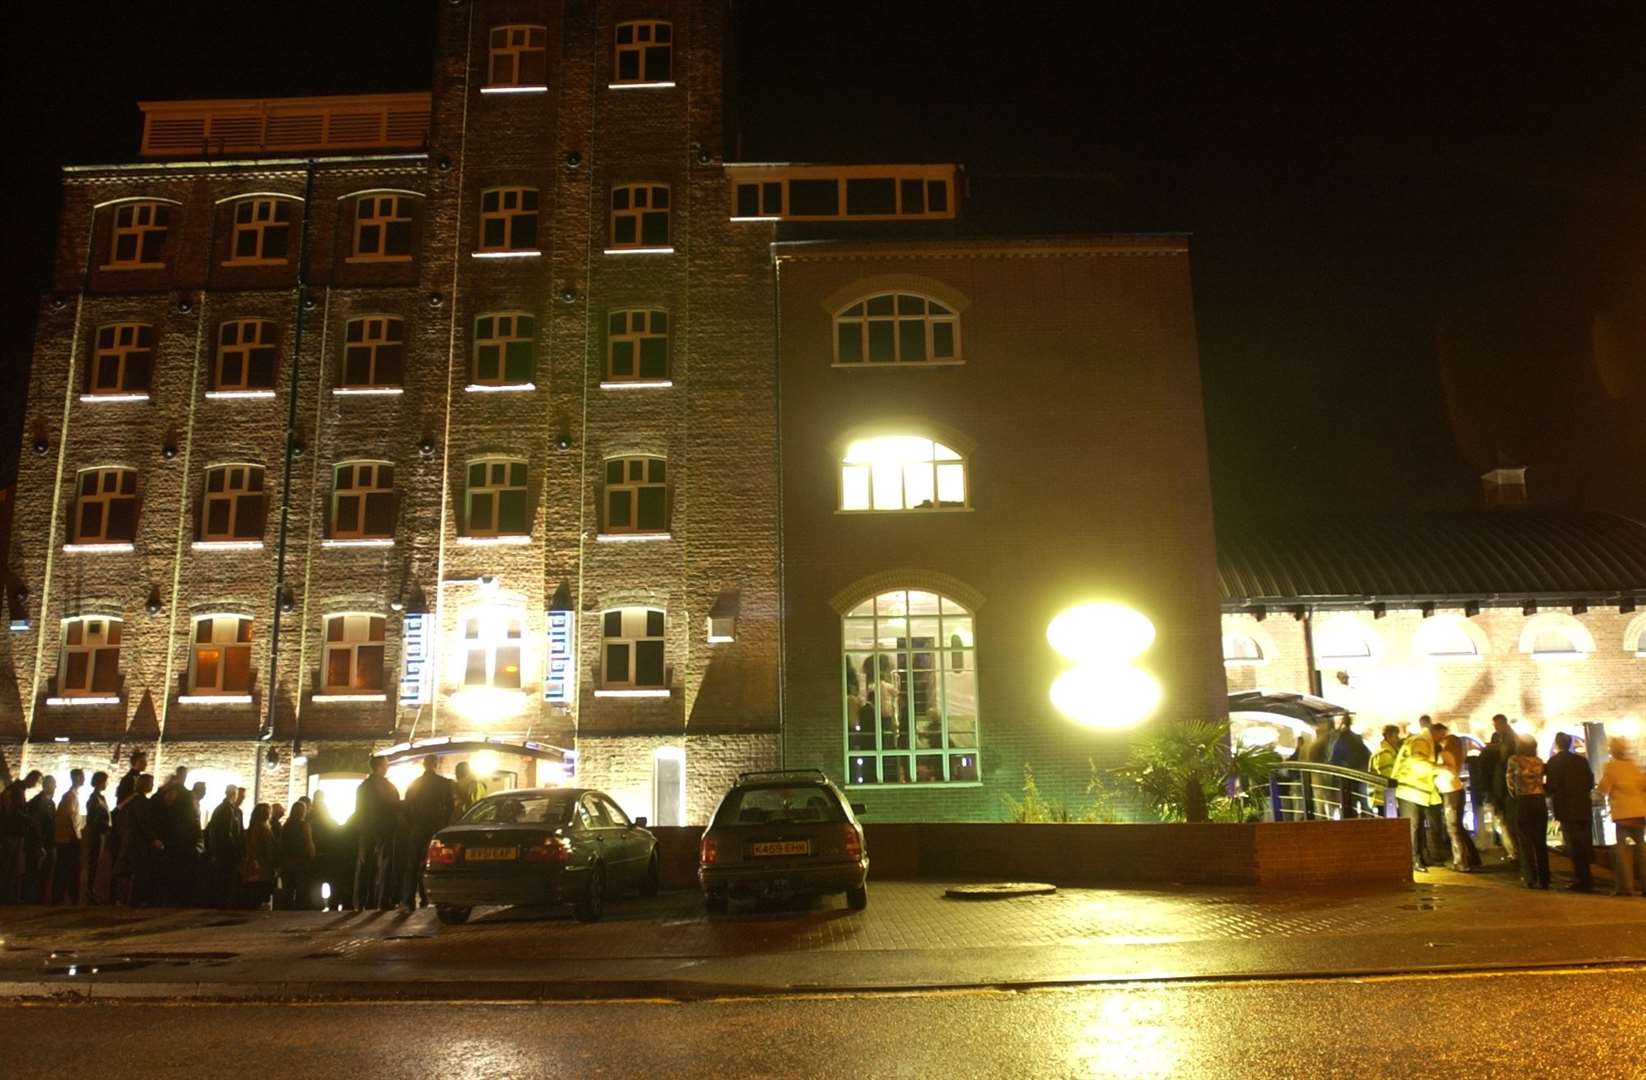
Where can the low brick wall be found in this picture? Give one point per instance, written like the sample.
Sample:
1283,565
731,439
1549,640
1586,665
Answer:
1299,854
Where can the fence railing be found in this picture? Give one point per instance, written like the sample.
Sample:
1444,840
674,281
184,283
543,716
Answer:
1306,791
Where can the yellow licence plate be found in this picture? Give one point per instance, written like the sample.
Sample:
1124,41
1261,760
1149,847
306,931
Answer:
781,847
489,854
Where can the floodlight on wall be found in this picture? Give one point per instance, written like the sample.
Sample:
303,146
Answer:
1471,609
288,603
435,299
573,159
1580,607
153,605
1105,688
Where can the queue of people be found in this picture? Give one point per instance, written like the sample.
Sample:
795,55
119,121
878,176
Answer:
148,847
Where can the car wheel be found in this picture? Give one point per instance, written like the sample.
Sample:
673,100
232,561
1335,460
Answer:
716,903
648,887
857,899
452,915
593,903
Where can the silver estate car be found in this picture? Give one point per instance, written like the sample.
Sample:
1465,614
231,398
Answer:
785,833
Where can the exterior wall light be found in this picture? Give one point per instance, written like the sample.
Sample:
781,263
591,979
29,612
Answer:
1104,688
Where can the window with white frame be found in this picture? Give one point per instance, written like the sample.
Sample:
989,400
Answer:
1556,636
1342,639
354,654
220,662
896,328
122,359
232,508
262,231
89,665
504,349
517,57
246,351
492,639
494,503
631,649
911,705
382,228
645,52
105,506
508,219
1241,649
640,215
138,235
902,472
362,501
1445,637
637,345
637,495
374,353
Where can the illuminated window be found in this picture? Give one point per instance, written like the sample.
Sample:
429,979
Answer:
122,360
1445,637
902,472
910,690
517,57
246,350
221,659
262,231
382,228
89,665
631,649
362,501
640,216
1344,640
495,499
233,505
504,349
1241,649
354,655
637,495
645,53
896,328
637,345
105,508
138,237
1556,636
374,352
508,219
491,648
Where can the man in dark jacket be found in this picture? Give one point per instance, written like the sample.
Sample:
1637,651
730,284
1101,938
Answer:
377,807
429,804
39,848
1350,752
1568,780
1501,748
225,846
180,833
14,834
96,833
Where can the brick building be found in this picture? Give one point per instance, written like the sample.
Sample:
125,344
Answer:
450,423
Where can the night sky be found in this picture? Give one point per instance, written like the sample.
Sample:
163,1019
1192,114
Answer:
1418,236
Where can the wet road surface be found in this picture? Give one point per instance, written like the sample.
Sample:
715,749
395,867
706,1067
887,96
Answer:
1550,1023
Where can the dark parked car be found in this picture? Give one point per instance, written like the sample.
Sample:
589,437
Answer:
540,846
784,834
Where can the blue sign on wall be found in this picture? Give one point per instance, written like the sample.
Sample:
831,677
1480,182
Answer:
414,678
559,676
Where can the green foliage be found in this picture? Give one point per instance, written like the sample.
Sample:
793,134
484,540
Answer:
1103,802
1184,771
1034,808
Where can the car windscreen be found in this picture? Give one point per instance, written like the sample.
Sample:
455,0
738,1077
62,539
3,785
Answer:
802,804
549,810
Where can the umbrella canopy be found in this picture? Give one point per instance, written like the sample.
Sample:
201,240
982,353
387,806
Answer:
1304,707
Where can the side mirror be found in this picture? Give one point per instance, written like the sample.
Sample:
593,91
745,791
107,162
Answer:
859,808
640,823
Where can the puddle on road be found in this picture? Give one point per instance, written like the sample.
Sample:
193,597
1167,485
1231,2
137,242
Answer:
73,964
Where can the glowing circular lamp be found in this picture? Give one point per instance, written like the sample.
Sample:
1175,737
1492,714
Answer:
1096,632
483,763
1115,695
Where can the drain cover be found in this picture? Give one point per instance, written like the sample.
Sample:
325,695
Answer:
999,890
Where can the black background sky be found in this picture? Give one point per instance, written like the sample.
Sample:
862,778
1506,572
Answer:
1419,235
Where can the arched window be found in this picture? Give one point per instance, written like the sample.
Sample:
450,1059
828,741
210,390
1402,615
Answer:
910,682
89,665
1556,636
261,232
505,351
896,328
1241,649
1634,636
122,361
637,496
632,650
246,350
902,472
137,236
220,662
517,59
1342,639
1447,637
354,654
383,226
105,506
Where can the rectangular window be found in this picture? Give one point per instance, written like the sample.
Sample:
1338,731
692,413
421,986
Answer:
491,648
122,360
645,53
382,228
221,660
363,501
504,349
138,237
637,499
233,505
508,220
814,198
354,655
640,216
374,352
245,356
517,58
632,649
495,500
262,231
637,345
842,192
90,662
105,510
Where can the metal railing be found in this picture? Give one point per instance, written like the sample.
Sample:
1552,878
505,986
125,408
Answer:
1307,791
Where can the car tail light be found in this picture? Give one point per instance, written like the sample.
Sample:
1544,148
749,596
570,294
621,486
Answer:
553,850
854,842
441,854
709,851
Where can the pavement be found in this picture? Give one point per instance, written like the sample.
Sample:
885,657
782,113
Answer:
910,938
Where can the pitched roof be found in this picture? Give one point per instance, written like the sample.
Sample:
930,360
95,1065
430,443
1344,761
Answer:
1502,556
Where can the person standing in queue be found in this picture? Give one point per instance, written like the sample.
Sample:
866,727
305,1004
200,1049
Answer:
258,866
1569,780
14,836
1524,779
225,849
1623,784
65,878
1503,747
1415,790
430,802
1349,751
94,841
377,808
41,854
469,789
1449,784
297,858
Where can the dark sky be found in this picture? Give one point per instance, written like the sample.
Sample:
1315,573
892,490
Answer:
1419,236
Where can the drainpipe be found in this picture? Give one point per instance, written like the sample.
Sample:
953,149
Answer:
1315,685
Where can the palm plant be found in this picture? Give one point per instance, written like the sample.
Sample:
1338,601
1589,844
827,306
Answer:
1190,772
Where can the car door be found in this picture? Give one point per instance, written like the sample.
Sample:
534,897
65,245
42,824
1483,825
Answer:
631,840
598,828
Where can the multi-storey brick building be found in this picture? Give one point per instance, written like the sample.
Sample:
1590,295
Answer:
450,423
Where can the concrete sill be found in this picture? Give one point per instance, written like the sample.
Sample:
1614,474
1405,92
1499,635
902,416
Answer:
636,384
214,699
227,545
367,391
664,250
510,540
61,702
525,253
908,365
506,388
634,537
357,542
239,395
94,399
633,693
668,85
514,89
345,699
119,546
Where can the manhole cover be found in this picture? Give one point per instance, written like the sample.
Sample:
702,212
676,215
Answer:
999,890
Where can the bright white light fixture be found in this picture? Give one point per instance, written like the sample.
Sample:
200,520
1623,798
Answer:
500,388
91,398
238,395
522,253
78,548
513,89
1100,632
1104,689
367,391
